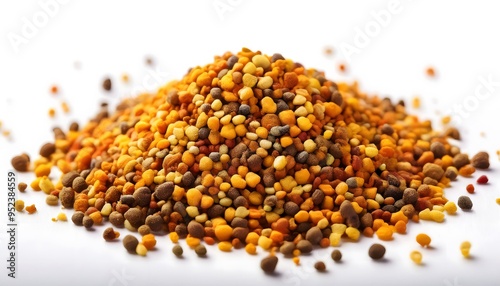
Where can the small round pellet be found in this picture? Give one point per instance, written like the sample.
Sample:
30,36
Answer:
376,251
87,222
336,255
320,266
130,243
416,256
465,203
77,218
177,250
200,250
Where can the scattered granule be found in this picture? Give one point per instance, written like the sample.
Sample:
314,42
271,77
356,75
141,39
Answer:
21,162
430,72
482,180
141,249
87,222
328,50
376,251
450,207
19,205
320,266
106,84
65,107
268,264
201,250
62,217
423,239
110,234
470,188
52,200
52,112
31,209
446,119
336,255
498,201
130,243
177,250
465,203
125,78
416,257
465,249
54,89
342,67
77,218
416,102
481,160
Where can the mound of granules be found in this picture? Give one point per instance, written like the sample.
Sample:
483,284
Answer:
252,150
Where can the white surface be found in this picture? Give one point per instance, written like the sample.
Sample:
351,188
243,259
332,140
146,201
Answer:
460,39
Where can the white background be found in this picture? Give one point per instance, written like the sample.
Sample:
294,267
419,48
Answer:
108,38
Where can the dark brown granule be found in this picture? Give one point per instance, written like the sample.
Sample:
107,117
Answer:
142,196
144,229
78,184
67,179
134,217
87,221
481,160
116,219
336,255
438,149
113,194
287,248
106,84
320,266
376,251
47,149
201,250
109,234
195,229
177,250
155,222
58,133
74,126
67,197
410,196
460,160
465,203
130,243
77,218
314,235
268,264
452,132
304,246
238,232
21,162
